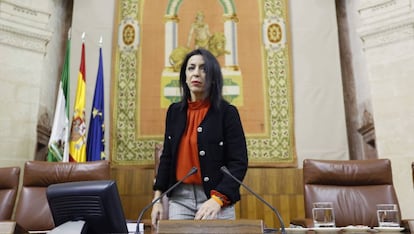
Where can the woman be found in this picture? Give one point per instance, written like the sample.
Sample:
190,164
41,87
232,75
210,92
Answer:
203,131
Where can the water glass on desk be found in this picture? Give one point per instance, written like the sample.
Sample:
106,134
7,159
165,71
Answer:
388,215
323,214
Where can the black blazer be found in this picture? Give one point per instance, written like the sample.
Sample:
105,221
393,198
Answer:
221,142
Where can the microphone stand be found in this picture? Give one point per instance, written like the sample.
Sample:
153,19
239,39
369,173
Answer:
191,172
282,225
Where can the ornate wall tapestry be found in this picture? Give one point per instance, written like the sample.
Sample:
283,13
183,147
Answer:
250,40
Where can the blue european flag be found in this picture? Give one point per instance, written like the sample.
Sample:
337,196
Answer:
95,146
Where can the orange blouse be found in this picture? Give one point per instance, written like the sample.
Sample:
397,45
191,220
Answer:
188,149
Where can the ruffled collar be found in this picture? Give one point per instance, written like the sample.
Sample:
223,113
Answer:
197,105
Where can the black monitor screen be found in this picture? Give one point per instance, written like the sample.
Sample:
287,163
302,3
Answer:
95,202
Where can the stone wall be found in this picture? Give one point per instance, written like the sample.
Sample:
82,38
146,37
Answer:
31,47
387,32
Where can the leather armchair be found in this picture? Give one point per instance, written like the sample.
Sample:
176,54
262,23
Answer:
408,224
33,212
354,187
9,184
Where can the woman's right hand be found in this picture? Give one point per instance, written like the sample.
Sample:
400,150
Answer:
156,213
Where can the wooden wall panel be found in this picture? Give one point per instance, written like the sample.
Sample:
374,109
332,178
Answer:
281,187
135,188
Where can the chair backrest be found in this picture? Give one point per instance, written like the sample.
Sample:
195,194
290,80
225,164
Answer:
354,187
164,200
32,211
9,184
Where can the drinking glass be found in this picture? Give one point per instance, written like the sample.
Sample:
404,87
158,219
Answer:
323,214
388,215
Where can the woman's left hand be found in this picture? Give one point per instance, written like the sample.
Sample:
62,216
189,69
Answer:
208,210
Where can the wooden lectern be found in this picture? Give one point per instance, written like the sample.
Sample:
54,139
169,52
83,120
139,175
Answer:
210,226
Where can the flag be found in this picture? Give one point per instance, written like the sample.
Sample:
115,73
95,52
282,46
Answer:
77,144
95,147
59,137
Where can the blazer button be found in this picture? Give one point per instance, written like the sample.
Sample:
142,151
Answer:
221,143
202,153
206,179
199,129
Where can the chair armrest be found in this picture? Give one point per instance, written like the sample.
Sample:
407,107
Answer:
303,222
408,224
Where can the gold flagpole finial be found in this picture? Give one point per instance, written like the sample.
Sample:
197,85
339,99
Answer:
70,33
100,42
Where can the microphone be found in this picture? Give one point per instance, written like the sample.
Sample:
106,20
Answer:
282,224
191,172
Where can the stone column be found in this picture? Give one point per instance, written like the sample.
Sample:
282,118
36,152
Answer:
171,38
230,32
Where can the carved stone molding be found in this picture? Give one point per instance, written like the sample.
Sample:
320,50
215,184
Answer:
367,130
385,22
43,135
24,27
368,133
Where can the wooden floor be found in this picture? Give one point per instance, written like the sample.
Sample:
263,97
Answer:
280,187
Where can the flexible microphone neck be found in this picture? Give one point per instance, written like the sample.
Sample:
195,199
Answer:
190,173
279,217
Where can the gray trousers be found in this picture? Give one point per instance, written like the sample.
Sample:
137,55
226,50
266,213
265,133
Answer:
186,199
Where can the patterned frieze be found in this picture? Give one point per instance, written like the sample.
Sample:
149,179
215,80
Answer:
24,26
385,22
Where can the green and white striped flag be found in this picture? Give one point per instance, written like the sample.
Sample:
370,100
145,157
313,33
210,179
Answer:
59,138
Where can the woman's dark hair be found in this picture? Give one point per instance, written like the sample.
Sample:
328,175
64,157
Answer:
214,77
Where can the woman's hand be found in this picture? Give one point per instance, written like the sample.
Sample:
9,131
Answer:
157,209
156,213
208,210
